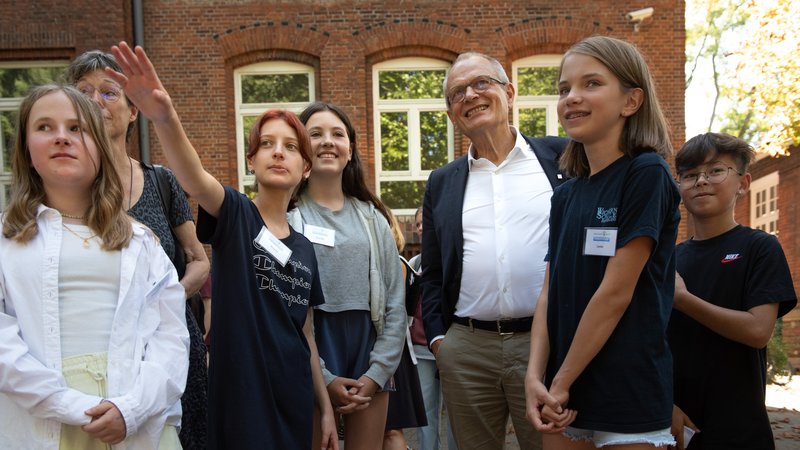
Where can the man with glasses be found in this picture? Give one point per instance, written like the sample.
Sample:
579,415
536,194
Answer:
484,242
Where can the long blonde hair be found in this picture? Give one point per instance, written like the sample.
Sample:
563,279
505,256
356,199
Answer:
106,216
644,131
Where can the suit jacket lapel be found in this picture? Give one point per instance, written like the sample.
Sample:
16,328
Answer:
457,186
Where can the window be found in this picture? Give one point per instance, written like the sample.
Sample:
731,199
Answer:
413,135
536,80
764,203
263,86
16,78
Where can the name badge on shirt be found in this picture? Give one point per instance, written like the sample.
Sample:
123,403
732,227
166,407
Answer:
319,235
273,246
600,241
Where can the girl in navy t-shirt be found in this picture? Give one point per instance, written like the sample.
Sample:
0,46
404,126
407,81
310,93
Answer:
264,375
600,367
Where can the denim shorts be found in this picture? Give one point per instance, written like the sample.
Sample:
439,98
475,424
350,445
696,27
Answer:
602,438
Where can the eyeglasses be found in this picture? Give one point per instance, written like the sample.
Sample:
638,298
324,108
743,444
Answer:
109,94
478,85
714,175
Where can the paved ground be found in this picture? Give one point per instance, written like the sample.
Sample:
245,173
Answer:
783,405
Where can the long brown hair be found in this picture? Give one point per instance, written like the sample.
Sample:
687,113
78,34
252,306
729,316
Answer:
106,216
646,130
353,182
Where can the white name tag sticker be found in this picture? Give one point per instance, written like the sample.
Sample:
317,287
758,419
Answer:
600,241
273,246
319,235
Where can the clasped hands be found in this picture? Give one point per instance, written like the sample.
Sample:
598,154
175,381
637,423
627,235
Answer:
546,410
349,395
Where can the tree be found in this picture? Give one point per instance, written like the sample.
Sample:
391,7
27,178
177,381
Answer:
749,45
767,75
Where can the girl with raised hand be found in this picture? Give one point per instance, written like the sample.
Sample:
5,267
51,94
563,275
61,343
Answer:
264,373
93,341
600,369
361,328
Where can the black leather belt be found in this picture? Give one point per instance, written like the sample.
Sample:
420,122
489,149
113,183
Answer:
505,326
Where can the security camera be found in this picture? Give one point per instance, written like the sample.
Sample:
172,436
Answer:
640,14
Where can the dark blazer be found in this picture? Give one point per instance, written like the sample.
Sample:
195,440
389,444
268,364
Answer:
442,234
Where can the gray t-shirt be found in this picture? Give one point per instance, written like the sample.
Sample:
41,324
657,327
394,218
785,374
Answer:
343,268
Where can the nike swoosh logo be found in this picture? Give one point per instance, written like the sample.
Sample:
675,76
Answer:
726,261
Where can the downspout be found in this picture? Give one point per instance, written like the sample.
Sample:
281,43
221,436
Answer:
138,39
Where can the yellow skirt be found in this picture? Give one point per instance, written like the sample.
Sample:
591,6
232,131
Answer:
87,374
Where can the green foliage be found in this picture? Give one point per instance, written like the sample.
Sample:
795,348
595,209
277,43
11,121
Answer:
778,368
537,81
402,194
16,82
410,84
8,121
275,88
433,145
394,141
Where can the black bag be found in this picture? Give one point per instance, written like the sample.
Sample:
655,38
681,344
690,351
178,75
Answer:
158,176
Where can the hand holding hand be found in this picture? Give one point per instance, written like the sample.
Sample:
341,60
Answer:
107,423
344,394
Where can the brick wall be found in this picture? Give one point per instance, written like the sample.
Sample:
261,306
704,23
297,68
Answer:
788,168
196,45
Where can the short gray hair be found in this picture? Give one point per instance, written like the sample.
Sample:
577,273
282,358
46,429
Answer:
500,72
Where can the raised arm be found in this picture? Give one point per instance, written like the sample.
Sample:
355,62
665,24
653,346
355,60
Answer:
142,86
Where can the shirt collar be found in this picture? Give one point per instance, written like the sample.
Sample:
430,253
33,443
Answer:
521,150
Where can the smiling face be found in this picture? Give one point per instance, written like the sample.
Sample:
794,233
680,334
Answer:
62,152
478,111
278,162
117,112
592,104
705,199
330,144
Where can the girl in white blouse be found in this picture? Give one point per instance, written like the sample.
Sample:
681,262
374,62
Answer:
93,340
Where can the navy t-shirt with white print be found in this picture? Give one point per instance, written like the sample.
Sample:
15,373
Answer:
260,388
627,387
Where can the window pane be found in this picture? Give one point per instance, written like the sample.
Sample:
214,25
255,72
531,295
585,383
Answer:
402,194
433,126
533,121
410,84
394,141
537,80
275,88
8,120
247,124
16,82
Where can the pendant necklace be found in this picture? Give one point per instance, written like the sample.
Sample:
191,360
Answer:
85,240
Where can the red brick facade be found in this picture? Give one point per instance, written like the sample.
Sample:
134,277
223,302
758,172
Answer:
196,45
788,168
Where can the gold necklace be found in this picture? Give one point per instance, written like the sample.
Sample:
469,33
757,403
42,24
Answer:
85,240
70,216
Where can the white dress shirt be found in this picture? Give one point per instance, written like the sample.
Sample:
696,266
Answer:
147,351
505,220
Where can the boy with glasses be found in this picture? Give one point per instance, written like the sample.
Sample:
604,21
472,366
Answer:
733,282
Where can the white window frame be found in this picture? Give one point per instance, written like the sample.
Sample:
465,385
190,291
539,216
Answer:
413,108
256,109
12,104
764,203
547,102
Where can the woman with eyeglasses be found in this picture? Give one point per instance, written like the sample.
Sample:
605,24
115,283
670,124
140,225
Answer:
142,199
